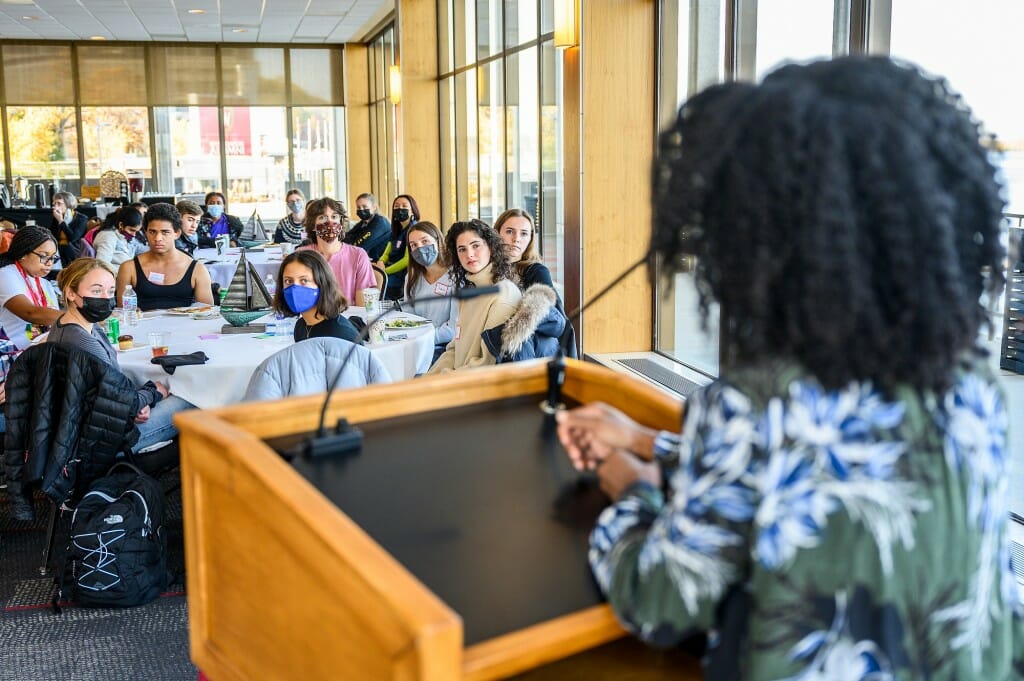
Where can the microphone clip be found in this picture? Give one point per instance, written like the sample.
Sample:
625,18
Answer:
345,440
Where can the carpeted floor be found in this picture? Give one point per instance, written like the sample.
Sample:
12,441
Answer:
81,644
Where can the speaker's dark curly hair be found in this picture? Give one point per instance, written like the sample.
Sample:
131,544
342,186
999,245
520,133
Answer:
842,213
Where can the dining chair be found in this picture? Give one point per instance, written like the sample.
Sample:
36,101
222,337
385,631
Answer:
381,278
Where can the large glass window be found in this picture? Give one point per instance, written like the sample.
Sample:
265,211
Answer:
191,118
501,115
188,144
792,30
970,44
256,147
384,161
43,143
116,138
316,148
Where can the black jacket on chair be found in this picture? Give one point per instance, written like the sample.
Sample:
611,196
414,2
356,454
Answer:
68,416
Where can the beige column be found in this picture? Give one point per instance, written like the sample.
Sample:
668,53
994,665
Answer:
357,116
609,141
419,126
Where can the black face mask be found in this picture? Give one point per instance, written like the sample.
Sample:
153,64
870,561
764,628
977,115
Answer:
400,214
95,310
364,214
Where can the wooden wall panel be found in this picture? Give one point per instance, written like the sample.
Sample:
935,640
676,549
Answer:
419,121
617,62
357,129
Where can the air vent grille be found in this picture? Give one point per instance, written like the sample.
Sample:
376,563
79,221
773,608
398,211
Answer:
661,375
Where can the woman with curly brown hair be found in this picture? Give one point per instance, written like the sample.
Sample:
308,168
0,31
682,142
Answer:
480,260
836,507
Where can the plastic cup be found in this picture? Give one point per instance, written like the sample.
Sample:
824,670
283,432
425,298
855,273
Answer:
158,343
287,249
371,297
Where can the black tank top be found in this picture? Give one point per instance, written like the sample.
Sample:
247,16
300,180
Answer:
162,296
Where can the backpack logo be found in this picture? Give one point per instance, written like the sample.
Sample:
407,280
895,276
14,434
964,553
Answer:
114,519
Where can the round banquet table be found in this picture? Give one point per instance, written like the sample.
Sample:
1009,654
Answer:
222,267
233,357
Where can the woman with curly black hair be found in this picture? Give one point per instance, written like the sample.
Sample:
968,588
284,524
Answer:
480,260
836,506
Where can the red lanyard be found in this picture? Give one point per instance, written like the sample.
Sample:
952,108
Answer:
38,297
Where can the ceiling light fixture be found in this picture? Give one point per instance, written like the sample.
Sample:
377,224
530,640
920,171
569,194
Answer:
197,11
97,37
30,18
239,30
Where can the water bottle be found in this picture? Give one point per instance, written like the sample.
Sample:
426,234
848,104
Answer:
280,325
130,303
270,284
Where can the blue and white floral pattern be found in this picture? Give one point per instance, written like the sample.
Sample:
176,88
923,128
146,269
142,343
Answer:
834,655
975,421
755,490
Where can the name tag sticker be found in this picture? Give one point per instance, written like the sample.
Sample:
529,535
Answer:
441,288
458,331
156,277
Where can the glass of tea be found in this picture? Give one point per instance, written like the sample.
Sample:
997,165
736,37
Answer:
158,343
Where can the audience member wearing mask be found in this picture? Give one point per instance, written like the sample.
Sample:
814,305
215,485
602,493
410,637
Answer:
395,260
291,228
88,287
216,222
115,242
67,225
428,277
480,260
28,301
373,231
307,288
325,221
191,214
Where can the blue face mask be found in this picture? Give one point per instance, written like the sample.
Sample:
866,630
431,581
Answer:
215,211
301,298
296,206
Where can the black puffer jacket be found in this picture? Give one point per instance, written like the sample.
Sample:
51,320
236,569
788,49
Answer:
68,416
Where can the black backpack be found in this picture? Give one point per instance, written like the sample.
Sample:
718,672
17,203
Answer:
117,553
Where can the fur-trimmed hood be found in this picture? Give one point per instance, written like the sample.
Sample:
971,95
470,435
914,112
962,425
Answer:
534,330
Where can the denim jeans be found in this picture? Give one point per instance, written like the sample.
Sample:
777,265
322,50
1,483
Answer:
160,427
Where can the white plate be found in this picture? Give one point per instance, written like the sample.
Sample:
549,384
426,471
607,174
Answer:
137,346
195,309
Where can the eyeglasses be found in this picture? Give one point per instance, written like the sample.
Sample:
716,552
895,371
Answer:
47,259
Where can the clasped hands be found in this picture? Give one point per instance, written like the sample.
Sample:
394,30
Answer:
144,413
601,438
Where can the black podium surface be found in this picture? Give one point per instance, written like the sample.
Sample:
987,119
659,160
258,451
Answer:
477,505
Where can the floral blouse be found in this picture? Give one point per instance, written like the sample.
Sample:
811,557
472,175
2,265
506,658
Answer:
824,535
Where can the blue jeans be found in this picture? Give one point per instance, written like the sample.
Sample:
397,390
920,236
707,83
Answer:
160,427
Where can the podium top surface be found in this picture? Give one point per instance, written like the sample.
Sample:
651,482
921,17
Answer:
478,506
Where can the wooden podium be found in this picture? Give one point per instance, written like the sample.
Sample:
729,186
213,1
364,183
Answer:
283,583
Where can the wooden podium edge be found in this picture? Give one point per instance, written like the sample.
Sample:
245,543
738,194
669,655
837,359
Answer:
542,643
428,638
239,429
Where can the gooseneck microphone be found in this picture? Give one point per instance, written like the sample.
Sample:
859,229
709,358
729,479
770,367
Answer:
556,366
345,438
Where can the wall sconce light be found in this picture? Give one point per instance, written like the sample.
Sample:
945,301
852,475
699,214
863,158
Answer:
395,83
565,23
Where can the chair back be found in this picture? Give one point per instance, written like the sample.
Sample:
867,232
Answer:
85,249
382,280
307,367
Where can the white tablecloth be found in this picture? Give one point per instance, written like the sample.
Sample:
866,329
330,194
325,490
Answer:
223,379
222,267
